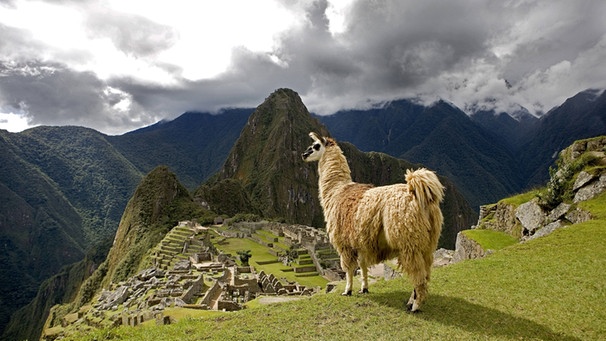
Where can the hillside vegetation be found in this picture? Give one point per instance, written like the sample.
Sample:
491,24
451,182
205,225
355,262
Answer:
551,288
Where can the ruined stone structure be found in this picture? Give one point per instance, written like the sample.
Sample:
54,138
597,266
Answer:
189,272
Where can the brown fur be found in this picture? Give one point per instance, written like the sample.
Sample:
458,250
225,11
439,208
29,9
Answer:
368,225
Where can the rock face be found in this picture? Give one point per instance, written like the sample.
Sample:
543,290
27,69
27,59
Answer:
499,217
591,190
467,249
531,216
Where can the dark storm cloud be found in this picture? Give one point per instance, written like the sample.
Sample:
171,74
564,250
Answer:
461,51
48,93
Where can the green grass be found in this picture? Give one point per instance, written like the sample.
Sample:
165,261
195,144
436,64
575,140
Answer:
490,239
551,288
260,253
519,199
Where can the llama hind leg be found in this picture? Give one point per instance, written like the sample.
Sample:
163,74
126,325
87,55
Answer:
349,266
419,275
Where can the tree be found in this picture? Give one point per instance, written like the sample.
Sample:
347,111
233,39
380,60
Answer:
244,256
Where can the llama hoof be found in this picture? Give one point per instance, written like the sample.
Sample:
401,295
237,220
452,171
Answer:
347,293
410,307
363,291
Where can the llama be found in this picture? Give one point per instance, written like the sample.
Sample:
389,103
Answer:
368,225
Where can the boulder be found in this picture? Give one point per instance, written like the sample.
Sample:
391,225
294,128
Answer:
582,179
499,217
531,216
547,229
577,216
442,257
591,190
466,248
116,297
558,212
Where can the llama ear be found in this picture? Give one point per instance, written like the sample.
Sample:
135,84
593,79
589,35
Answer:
314,136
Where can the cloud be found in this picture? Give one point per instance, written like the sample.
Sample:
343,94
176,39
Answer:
116,68
46,93
131,34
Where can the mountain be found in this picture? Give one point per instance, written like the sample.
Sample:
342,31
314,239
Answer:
265,161
488,155
27,322
579,117
266,164
62,190
513,130
158,203
194,145
440,136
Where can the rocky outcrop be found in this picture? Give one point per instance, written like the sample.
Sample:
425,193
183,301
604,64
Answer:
593,187
531,216
532,219
467,248
499,217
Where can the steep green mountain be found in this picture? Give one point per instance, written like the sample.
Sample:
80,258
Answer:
95,178
266,164
439,136
158,204
62,189
194,145
37,231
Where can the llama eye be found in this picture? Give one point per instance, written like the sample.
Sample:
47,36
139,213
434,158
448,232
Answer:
317,146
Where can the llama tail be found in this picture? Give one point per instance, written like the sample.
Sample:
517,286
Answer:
425,186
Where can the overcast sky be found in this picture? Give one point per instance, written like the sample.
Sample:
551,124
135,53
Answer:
116,65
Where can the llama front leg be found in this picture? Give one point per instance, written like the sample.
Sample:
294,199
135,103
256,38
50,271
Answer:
348,282
364,279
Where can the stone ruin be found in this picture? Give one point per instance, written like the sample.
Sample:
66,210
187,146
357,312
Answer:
227,287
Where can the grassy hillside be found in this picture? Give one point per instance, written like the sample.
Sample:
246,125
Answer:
551,288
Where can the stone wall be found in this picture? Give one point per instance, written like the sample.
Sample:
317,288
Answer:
194,289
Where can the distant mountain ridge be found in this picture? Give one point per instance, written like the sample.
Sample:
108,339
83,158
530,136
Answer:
488,155
194,145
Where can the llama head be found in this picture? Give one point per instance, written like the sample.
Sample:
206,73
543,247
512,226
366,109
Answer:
316,150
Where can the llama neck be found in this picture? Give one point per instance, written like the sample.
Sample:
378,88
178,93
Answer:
333,170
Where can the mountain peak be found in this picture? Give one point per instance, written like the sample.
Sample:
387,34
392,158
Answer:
270,144
158,203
